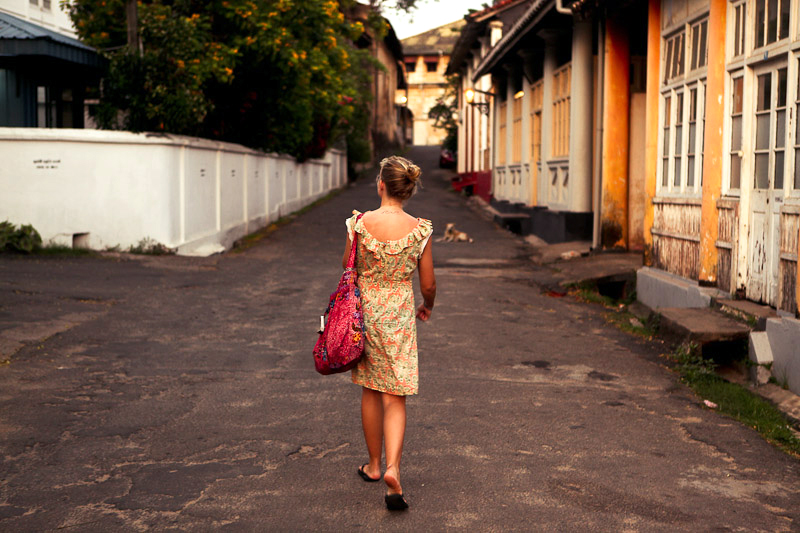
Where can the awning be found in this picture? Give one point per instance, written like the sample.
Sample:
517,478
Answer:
19,37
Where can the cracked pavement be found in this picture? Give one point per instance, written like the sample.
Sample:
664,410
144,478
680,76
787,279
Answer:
180,393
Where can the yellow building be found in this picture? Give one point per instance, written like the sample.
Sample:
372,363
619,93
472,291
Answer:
426,59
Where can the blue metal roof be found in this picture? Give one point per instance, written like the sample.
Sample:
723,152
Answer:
19,37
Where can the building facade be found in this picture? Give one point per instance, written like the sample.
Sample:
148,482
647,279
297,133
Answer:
388,121
426,58
666,126
45,72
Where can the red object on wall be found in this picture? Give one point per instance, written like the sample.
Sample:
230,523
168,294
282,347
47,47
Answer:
479,183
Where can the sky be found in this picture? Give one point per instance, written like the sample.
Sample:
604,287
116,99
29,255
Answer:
430,14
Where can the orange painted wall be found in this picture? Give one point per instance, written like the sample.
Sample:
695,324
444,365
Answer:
712,157
616,127
651,120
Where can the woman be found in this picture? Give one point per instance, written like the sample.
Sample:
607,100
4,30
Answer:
391,245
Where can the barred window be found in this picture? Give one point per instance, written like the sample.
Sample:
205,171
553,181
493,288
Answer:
561,103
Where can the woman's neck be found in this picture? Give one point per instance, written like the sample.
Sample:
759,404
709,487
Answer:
388,204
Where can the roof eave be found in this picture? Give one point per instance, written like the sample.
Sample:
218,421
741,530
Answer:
511,38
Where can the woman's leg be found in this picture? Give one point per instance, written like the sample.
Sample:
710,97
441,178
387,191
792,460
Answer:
372,422
394,430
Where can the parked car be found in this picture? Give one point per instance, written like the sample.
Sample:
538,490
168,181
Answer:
447,159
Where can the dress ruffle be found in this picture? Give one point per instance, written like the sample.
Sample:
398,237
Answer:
418,234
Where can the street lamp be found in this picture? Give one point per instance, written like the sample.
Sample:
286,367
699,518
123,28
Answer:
469,96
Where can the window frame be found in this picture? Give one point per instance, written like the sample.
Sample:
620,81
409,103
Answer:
674,89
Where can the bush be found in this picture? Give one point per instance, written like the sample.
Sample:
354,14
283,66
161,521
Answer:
24,239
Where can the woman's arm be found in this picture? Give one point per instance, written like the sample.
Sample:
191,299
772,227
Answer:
427,283
346,255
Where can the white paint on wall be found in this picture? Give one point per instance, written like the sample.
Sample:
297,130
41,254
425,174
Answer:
193,195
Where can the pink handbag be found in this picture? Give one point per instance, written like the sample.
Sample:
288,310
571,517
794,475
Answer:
341,339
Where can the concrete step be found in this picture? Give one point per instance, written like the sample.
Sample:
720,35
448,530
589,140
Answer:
760,354
718,336
755,314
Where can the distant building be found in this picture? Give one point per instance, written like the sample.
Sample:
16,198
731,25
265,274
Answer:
426,59
388,118
44,70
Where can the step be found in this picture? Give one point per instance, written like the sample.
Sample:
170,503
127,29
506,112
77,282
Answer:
752,312
717,335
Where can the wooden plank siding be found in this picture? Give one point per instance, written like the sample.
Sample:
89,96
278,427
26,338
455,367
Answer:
728,230
676,236
787,268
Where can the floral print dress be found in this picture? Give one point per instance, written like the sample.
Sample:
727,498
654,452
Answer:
385,270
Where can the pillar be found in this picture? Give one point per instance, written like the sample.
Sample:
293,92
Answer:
548,66
651,121
712,158
616,127
580,119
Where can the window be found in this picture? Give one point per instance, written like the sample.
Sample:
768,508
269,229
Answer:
737,99
739,13
699,44
772,21
431,65
770,129
411,66
561,89
797,137
516,147
673,66
682,139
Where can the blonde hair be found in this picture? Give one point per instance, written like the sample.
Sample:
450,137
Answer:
400,176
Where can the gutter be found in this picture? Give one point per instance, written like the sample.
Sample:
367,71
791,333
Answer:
597,178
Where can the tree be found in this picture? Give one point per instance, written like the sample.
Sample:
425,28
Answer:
445,112
278,75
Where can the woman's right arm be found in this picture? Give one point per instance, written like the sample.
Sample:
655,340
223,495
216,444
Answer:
427,283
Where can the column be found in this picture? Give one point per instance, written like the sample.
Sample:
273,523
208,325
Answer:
463,142
580,119
548,66
616,127
651,121
712,158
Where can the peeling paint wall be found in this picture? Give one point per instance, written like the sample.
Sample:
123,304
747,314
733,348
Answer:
676,236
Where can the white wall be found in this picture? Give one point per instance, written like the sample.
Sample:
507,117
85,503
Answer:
193,195
51,17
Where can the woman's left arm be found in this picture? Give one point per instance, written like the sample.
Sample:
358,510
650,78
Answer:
346,255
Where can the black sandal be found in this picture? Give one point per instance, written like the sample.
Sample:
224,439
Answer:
396,502
364,475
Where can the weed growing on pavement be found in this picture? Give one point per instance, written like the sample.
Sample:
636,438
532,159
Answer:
64,250
618,314
732,399
148,246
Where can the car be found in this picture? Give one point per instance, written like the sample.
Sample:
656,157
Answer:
447,159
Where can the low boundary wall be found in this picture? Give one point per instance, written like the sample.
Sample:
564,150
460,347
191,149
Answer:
102,189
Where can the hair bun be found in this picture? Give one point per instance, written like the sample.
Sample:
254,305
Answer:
413,173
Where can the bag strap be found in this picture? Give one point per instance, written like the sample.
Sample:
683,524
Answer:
351,262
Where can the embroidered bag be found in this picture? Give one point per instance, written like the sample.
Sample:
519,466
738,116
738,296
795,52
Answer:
341,340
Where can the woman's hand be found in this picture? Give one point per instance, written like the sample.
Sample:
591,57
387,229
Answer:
423,313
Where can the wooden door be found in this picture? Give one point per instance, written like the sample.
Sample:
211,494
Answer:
767,193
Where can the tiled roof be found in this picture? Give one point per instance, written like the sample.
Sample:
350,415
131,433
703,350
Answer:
12,27
20,38
433,41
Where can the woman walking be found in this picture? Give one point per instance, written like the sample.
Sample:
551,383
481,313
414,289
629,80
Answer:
391,246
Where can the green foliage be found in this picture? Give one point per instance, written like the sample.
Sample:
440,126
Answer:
445,113
148,246
734,400
277,75
24,239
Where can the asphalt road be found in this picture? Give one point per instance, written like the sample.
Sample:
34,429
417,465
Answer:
176,393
